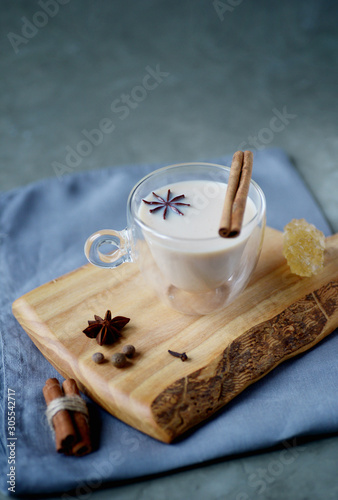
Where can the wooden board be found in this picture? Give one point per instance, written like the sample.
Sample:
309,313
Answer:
278,316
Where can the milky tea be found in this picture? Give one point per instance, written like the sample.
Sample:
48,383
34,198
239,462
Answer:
189,252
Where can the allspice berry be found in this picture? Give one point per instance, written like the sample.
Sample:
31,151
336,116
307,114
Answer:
119,360
128,350
98,357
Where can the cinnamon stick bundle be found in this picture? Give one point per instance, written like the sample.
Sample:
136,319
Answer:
72,435
236,194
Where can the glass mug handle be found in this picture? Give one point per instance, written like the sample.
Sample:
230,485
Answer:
118,239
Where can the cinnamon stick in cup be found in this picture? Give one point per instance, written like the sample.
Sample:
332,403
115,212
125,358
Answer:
65,433
236,194
82,446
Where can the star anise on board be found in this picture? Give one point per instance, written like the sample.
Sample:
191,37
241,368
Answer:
106,330
168,203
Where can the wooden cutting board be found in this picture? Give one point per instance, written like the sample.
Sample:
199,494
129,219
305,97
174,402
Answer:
279,315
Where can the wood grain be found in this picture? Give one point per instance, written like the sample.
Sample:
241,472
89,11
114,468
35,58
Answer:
276,317
192,399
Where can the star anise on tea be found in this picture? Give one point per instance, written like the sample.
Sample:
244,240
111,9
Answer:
168,203
106,330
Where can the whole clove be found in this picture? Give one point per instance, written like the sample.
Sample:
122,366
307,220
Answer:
182,355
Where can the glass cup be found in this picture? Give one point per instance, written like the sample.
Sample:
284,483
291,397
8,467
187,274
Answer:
198,275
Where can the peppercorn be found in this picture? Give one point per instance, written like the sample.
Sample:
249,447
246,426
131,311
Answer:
98,357
128,350
119,360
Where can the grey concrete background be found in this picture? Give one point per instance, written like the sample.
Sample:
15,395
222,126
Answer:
229,68
224,69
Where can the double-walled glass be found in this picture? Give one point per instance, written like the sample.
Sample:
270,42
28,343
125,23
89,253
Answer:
195,275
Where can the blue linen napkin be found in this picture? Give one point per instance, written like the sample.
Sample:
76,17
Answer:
42,233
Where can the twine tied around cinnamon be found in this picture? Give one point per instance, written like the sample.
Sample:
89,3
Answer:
70,403
67,415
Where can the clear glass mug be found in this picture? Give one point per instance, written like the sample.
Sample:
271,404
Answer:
194,276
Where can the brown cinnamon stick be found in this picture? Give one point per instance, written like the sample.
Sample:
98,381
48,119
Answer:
236,194
65,433
82,446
